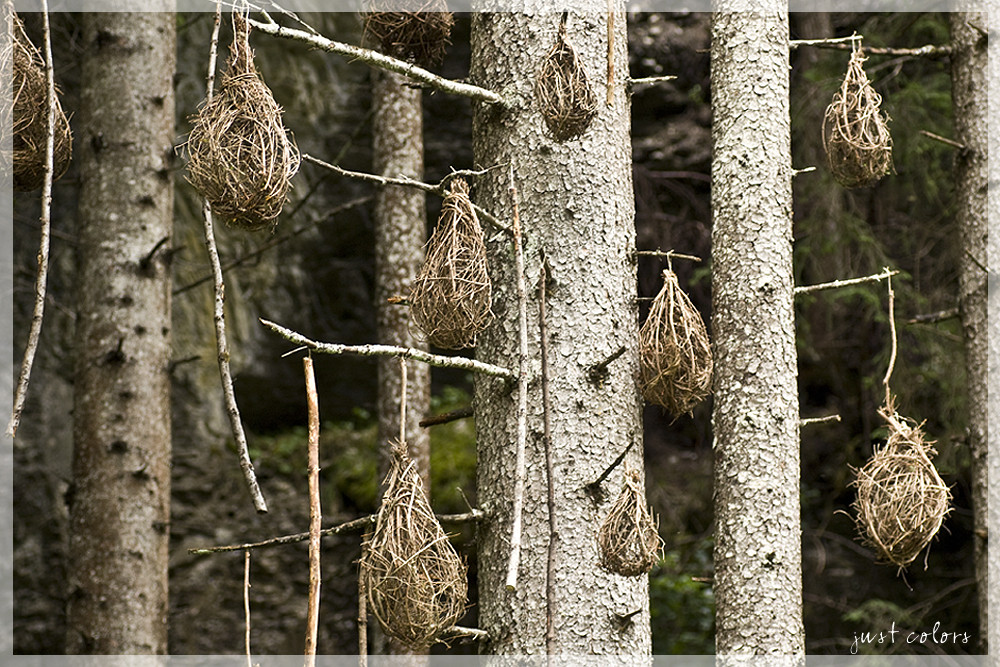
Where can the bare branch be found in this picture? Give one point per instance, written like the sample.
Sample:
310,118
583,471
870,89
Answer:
669,254
594,488
934,318
438,360
648,80
825,41
246,604
446,417
381,61
472,634
943,140
805,289
315,515
819,420
841,44
550,571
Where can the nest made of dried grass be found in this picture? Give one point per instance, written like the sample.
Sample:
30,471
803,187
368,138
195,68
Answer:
628,540
856,131
421,35
566,100
675,355
902,500
28,117
451,297
241,158
414,579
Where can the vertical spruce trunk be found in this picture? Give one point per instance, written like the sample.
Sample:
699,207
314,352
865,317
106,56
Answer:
400,232
576,207
758,558
120,501
969,95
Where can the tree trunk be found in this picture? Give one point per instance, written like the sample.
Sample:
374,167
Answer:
120,507
400,232
969,94
576,210
758,558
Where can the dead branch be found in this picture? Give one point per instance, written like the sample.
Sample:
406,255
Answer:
446,417
805,289
669,254
315,513
819,420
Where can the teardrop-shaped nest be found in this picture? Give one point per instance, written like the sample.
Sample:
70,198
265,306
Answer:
414,579
241,158
451,297
25,116
675,355
421,35
902,500
565,98
856,131
628,540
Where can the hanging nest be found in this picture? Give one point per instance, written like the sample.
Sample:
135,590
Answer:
675,356
241,157
856,131
565,97
451,296
415,581
26,116
628,540
421,35
902,501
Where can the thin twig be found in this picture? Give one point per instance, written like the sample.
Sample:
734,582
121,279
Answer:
550,573
599,371
42,276
648,80
934,318
594,488
438,360
975,260
796,43
819,420
446,417
439,189
884,275
892,355
461,632
402,400
944,140
315,513
362,614
669,254
522,392
246,604
353,526
931,50
381,61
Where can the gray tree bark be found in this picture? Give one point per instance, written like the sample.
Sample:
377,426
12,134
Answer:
576,210
120,506
970,88
758,556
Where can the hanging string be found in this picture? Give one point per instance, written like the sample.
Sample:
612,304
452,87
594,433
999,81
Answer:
892,329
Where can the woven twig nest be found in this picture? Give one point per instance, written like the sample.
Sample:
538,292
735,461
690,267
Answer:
451,296
856,130
901,501
414,579
565,98
241,157
27,116
421,35
675,356
628,540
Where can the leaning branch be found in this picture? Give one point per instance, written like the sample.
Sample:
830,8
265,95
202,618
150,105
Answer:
438,360
381,61
41,277
805,289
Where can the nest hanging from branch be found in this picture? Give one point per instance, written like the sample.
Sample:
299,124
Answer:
567,102
675,356
241,157
27,115
902,500
414,579
628,540
856,131
451,296
421,35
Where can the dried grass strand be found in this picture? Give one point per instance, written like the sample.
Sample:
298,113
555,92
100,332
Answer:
241,158
566,100
675,355
421,35
415,581
856,134
451,297
628,539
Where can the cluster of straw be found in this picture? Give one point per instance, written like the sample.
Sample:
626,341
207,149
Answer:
902,500
421,35
451,297
241,157
628,540
565,98
25,114
675,356
856,131
414,579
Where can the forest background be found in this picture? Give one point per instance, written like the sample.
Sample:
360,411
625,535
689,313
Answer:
320,280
